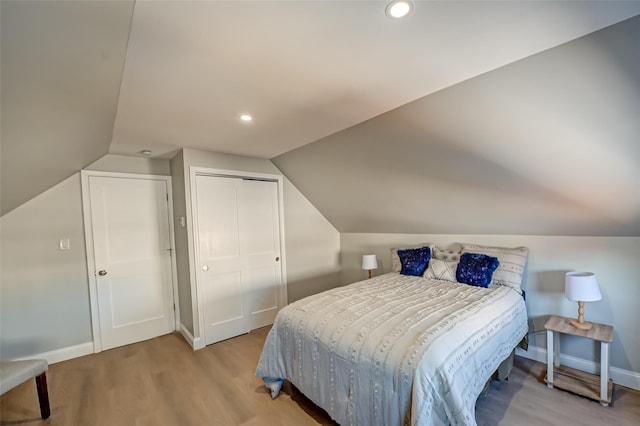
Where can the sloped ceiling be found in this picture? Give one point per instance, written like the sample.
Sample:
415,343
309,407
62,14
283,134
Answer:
304,69
308,69
61,70
548,145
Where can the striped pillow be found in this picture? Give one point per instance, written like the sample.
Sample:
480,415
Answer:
441,270
512,263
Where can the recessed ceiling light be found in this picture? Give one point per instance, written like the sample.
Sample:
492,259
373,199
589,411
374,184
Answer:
145,152
246,117
398,9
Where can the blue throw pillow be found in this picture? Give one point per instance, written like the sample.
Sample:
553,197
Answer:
476,269
414,261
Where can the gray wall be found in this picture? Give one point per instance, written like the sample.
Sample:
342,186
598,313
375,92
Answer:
313,247
126,164
614,260
178,181
547,145
44,291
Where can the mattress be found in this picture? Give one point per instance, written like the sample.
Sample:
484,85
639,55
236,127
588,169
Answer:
395,349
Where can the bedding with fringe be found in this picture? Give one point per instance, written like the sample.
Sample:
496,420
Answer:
395,349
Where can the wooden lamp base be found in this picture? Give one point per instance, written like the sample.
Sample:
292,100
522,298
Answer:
580,323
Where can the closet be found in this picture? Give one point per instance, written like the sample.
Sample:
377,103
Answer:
238,246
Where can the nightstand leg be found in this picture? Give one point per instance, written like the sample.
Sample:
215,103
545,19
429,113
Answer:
556,349
604,372
550,361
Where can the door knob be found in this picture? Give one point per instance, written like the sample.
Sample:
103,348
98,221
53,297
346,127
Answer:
102,273
277,258
205,268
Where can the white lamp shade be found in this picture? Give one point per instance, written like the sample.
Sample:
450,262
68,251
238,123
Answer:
581,287
369,261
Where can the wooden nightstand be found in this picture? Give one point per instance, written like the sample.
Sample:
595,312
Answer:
577,381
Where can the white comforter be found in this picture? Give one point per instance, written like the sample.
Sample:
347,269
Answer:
395,349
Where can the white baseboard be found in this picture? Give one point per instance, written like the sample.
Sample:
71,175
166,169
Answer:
626,378
63,354
76,351
198,343
186,334
195,343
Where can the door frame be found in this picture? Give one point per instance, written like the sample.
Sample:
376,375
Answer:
88,236
194,242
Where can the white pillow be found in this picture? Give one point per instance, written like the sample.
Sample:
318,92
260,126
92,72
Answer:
441,270
396,265
451,253
512,263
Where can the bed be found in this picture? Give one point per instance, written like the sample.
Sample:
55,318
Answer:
396,349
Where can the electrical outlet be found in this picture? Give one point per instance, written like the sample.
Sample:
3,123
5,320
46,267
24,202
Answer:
65,244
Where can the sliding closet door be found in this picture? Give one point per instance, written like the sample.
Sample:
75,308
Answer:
238,237
220,263
260,247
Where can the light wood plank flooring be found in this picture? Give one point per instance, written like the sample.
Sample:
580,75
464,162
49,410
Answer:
163,382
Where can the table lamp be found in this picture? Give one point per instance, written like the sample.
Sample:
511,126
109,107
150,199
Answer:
581,287
369,262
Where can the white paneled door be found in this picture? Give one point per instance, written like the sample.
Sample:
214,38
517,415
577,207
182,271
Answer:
238,237
129,252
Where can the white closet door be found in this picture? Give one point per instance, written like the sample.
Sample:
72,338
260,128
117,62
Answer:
239,248
220,263
260,247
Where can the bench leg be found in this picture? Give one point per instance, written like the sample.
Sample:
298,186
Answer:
43,395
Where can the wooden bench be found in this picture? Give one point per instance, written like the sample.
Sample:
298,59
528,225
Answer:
14,373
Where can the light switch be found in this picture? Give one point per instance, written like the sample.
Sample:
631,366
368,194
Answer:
65,244
183,222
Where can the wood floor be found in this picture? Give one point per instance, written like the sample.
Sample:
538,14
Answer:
163,382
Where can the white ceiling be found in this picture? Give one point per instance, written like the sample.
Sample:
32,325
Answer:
83,78
308,69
